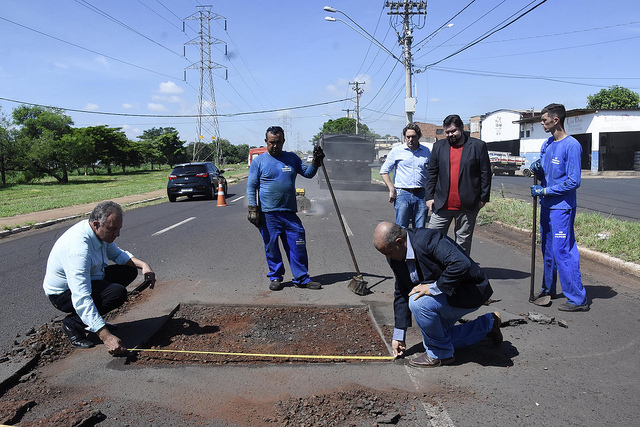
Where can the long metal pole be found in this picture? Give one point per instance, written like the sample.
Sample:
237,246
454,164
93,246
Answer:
533,242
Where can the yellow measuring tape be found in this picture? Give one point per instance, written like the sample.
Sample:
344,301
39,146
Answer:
291,356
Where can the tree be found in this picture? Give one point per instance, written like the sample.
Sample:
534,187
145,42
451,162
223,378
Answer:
343,125
614,98
112,147
163,146
8,148
42,142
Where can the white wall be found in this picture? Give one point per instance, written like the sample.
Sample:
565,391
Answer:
499,126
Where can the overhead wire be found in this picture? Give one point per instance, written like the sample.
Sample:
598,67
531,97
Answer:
244,113
97,10
488,34
89,50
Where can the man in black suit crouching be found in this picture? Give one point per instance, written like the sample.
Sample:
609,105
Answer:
438,283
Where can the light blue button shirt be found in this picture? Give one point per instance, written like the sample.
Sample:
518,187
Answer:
77,258
410,166
400,334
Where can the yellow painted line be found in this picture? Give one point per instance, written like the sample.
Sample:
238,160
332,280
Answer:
292,356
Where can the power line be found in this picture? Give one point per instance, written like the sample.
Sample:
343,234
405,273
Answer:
122,24
486,35
245,113
89,50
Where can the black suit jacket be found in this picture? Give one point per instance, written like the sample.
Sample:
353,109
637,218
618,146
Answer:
474,180
439,258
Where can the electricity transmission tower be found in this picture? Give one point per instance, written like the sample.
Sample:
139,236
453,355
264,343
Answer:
207,128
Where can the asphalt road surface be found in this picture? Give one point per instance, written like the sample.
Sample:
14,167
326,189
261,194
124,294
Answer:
617,197
585,374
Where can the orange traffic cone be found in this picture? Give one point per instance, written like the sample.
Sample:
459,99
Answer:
221,199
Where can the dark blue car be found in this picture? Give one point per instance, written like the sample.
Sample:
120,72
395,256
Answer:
190,179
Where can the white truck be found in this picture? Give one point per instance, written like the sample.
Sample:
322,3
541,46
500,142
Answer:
504,162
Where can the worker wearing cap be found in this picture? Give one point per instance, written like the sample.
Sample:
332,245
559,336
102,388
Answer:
407,193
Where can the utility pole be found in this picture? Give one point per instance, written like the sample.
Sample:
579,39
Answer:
358,90
407,9
207,121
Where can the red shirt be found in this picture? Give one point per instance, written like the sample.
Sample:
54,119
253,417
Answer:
453,200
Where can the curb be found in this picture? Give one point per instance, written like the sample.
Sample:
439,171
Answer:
6,233
626,266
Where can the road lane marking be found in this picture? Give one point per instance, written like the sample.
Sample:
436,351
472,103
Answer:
236,199
346,226
173,226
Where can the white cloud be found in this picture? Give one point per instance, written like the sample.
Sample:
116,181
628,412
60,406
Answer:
152,106
170,88
172,99
127,106
61,65
91,106
338,86
434,99
102,61
131,131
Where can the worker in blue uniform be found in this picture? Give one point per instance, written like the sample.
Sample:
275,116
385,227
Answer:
271,194
559,168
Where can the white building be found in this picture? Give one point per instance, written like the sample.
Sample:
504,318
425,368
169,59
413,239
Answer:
500,129
610,139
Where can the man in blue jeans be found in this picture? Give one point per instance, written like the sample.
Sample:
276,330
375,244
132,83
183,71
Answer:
271,193
559,168
410,162
438,283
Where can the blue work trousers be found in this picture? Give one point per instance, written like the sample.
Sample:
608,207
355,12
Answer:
411,207
288,227
436,320
561,256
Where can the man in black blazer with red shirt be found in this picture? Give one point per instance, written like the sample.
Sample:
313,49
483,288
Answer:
439,284
457,196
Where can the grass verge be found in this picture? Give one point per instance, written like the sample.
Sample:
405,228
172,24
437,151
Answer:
16,199
620,239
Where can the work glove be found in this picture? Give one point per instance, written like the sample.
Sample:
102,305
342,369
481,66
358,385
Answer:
538,190
536,167
318,156
254,215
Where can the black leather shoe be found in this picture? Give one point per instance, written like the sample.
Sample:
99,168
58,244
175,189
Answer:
495,335
567,306
78,339
425,361
276,285
310,285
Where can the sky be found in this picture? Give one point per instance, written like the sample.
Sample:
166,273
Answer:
121,63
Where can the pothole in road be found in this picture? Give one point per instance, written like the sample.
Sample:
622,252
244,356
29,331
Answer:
254,335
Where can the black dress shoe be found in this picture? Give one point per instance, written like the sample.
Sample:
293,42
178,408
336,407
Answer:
495,335
426,361
572,307
276,285
78,339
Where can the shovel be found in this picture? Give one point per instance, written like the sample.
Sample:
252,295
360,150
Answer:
357,285
545,299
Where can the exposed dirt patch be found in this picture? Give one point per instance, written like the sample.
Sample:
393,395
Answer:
264,331
353,406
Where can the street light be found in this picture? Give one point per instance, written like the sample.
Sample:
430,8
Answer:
364,34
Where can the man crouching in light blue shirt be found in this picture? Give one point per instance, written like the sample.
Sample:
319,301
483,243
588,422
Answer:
80,282
408,193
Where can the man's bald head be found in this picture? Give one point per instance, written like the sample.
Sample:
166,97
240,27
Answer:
391,240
